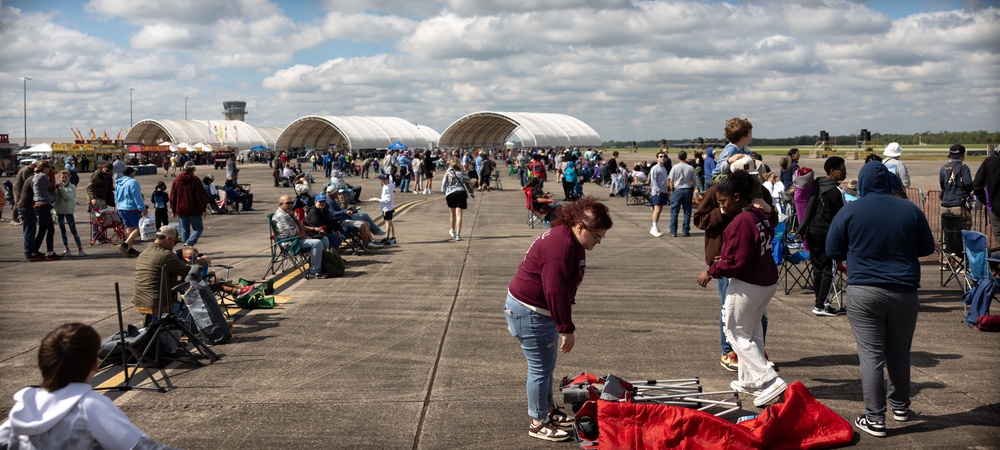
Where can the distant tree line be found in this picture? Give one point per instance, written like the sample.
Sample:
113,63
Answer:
980,137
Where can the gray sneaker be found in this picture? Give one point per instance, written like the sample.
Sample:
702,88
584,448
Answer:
770,393
901,415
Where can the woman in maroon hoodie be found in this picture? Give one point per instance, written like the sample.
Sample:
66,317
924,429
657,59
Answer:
539,304
753,277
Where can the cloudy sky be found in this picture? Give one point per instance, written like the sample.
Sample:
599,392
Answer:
631,69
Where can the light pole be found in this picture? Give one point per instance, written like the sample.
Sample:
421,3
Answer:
185,108
25,80
130,120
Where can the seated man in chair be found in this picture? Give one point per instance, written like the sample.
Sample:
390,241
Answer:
286,226
238,195
152,295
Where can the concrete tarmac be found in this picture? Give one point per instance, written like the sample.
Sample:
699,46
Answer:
410,348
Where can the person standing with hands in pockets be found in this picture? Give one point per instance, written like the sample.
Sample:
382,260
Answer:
753,278
540,300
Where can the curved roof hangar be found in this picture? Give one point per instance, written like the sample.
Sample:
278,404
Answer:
492,129
224,133
354,133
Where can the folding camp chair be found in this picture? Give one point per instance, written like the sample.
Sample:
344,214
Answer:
795,270
981,276
951,251
533,216
838,288
285,253
496,182
637,193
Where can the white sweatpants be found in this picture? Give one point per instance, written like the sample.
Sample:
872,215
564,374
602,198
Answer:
745,305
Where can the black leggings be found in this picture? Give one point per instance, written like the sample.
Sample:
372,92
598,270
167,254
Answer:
46,228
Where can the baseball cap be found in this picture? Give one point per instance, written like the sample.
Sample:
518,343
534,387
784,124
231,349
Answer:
319,198
168,231
956,150
382,176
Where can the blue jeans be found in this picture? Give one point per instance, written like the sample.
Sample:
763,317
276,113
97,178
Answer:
681,198
404,184
523,175
723,342
187,224
29,224
540,343
68,219
371,223
315,248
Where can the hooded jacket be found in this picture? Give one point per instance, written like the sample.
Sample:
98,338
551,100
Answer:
881,236
75,414
128,195
187,195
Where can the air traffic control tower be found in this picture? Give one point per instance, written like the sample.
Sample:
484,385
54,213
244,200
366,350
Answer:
235,110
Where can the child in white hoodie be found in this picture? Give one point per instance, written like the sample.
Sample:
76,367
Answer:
65,412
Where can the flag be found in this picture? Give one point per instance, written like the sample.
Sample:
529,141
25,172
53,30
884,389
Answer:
119,134
92,135
106,134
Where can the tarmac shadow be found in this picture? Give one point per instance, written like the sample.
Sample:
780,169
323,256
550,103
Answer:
984,416
850,359
927,359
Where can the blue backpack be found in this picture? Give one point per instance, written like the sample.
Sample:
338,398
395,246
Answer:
979,298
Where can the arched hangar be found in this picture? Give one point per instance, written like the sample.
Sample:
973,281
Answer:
493,129
217,133
354,133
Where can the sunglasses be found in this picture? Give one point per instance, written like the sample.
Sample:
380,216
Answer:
285,203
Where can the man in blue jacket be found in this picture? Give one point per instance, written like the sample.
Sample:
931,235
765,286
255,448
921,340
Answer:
882,238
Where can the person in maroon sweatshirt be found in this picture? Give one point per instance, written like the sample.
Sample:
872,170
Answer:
188,201
540,300
753,277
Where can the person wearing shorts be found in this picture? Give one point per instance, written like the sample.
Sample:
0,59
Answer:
131,207
658,190
457,187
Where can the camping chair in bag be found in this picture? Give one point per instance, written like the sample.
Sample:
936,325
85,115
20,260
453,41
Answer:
533,216
952,252
794,268
285,253
981,276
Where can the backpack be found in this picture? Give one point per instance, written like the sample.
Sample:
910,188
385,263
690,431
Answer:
333,263
988,323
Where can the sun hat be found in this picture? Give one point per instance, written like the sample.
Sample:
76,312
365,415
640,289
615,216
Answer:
852,188
893,150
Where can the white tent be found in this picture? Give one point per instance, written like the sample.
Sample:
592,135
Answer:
42,148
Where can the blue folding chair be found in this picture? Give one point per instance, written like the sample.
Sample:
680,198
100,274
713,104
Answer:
976,302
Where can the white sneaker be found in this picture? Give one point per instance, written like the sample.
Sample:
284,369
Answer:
458,237
738,387
451,232
655,232
770,393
